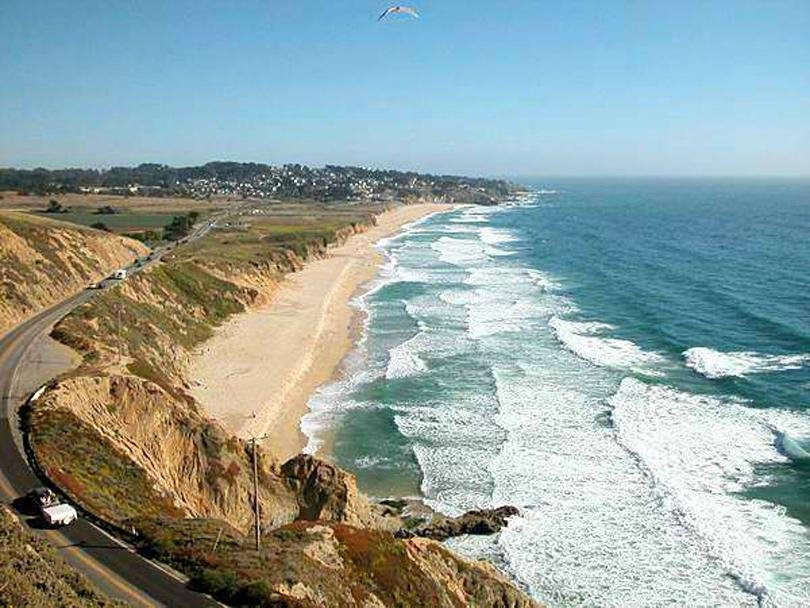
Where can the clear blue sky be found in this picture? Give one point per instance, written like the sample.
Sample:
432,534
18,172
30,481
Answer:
521,87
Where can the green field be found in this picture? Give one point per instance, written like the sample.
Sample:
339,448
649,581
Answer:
118,222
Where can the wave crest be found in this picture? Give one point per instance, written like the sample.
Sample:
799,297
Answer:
797,450
715,364
583,339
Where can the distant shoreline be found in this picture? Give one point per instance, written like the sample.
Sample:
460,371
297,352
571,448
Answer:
257,373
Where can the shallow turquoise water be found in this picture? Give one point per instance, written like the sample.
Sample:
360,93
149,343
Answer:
628,361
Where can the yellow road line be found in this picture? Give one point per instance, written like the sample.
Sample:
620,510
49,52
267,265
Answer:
109,577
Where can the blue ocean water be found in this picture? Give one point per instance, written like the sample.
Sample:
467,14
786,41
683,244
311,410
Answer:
627,361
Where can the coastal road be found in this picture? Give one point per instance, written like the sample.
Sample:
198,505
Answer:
113,566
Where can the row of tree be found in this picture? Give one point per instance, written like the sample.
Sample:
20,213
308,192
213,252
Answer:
159,179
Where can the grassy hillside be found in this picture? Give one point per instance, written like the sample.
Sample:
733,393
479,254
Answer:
311,564
34,576
43,261
122,435
154,452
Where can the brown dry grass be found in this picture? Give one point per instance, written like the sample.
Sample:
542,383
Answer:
91,202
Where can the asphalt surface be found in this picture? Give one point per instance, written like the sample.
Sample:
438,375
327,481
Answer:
113,566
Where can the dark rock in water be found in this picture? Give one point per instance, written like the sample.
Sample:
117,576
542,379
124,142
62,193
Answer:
488,521
397,504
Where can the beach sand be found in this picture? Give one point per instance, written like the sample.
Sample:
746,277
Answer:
258,371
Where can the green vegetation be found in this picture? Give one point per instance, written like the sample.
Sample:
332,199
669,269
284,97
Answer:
43,260
144,226
55,206
303,228
180,226
188,303
90,470
33,575
171,308
309,564
145,236
119,222
243,180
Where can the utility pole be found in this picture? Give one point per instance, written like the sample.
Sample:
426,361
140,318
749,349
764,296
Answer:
216,542
118,309
257,526
257,523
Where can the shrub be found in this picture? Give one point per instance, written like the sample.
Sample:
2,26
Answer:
222,584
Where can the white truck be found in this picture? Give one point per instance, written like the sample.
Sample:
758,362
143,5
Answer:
54,512
120,275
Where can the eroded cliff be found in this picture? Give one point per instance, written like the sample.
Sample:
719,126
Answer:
125,439
154,452
44,261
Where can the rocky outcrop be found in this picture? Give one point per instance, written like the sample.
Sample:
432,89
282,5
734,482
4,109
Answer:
488,521
125,439
182,456
44,261
312,564
325,492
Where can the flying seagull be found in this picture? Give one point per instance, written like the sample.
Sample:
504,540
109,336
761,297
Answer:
405,10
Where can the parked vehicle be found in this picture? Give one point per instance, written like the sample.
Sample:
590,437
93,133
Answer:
98,285
120,275
52,510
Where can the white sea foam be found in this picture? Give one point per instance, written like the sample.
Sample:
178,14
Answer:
460,252
496,236
453,441
641,512
591,531
543,280
325,407
404,361
585,339
715,364
469,219
701,453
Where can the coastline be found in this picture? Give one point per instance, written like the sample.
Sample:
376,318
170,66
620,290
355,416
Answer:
257,373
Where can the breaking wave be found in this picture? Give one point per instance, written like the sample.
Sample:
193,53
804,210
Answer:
404,361
586,340
631,493
701,453
715,364
798,450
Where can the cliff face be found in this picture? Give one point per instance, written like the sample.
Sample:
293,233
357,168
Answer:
124,448
155,452
125,439
44,261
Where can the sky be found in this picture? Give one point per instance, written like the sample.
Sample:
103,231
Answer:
564,87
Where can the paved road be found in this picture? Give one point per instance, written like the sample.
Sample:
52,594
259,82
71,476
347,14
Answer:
114,567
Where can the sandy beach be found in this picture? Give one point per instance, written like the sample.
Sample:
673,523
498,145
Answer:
257,373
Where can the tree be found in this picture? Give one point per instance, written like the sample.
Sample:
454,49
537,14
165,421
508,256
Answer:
106,210
100,226
178,228
55,206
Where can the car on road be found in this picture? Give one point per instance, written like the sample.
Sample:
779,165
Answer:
53,511
120,275
99,285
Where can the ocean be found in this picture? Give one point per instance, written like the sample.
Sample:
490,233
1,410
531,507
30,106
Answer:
625,360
